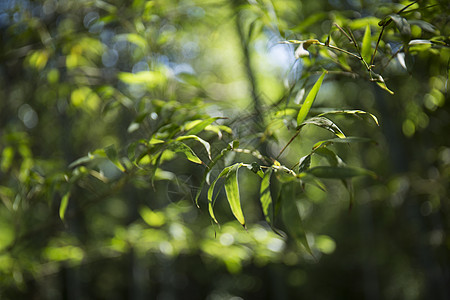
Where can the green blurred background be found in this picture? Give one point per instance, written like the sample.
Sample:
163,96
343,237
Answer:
76,76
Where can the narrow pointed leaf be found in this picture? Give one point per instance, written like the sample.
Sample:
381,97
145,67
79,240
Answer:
347,140
195,127
266,197
366,47
325,124
292,218
355,112
211,193
202,141
63,206
339,172
232,191
304,110
111,153
186,150
305,163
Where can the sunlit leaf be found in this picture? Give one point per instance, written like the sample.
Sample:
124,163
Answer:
152,218
111,152
305,163
339,172
197,126
326,124
63,206
177,146
355,112
211,193
232,192
266,197
366,47
202,141
349,139
304,110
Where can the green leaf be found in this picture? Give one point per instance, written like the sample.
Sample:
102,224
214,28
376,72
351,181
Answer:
304,110
177,146
232,192
402,25
211,201
326,124
366,47
346,140
266,197
305,163
332,158
204,143
291,217
111,153
355,112
197,126
63,206
339,172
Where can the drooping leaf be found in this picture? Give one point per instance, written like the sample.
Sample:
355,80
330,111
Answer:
339,172
177,146
63,206
326,124
266,197
346,140
402,25
304,110
194,127
305,163
355,112
232,192
366,47
256,168
332,158
111,153
202,141
211,201
292,218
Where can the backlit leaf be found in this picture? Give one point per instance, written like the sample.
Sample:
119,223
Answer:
63,206
304,110
211,201
177,146
326,124
355,112
366,47
202,141
232,192
266,197
111,152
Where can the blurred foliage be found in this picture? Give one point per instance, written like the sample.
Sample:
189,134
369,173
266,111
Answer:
274,118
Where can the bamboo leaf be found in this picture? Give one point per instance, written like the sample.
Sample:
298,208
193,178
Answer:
305,163
232,191
266,197
355,112
186,150
202,141
63,206
326,124
197,126
111,153
211,193
346,140
304,110
292,218
366,46
339,172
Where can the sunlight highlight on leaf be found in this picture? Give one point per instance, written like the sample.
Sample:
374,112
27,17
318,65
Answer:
304,110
